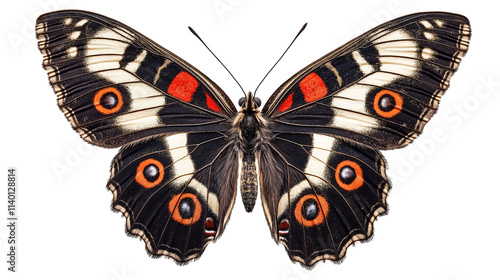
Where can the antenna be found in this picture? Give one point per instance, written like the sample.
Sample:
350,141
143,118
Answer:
199,38
300,31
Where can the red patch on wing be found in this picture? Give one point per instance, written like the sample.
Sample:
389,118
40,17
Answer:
286,104
313,87
284,227
183,86
209,226
211,103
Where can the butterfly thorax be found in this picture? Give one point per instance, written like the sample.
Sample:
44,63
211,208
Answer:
249,126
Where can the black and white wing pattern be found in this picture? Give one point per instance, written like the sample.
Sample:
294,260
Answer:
381,88
323,181
175,179
117,86
376,92
331,191
175,191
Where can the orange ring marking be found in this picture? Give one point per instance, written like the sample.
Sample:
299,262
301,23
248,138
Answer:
358,181
98,96
397,108
139,176
173,206
323,210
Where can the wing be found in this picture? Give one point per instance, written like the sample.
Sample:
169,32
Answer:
176,192
381,88
331,191
323,184
175,179
116,86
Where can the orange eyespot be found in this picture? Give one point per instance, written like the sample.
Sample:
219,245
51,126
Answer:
185,209
349,175
387,103
311,210
108,100
149,173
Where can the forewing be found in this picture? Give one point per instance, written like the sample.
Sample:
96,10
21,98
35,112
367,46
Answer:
381,88
331,191
116,86
176,192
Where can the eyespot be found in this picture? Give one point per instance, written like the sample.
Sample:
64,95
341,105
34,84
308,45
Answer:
284,227
149,173
209,226
311,210
185,208
349,175
108,100
387,103
241,101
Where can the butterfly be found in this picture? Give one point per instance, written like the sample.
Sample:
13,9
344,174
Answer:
313,149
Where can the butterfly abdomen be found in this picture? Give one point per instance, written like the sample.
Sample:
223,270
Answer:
248,182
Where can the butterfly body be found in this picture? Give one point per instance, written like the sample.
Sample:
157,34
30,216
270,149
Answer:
250,129
313,149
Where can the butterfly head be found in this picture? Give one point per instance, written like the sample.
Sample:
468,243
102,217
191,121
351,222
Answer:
249,103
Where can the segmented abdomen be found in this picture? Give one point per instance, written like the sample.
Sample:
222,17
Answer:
248,182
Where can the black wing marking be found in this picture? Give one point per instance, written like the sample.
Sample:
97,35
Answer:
381,88
176,192
117,86
331,193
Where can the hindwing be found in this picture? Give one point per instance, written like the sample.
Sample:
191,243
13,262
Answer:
381,88
331,191
176,192
116,86
175,178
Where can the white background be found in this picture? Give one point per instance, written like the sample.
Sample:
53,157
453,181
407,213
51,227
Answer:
444,218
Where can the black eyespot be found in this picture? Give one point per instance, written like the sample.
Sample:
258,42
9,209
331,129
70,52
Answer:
241,101
257,101
186,208
310,209
109,100
347,174
151,172
387,103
